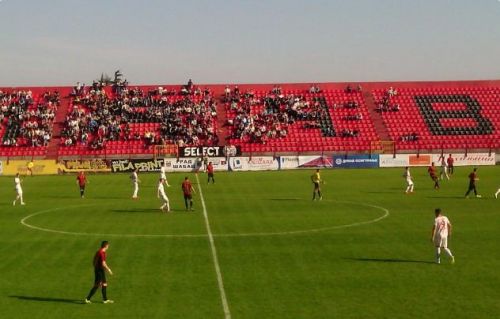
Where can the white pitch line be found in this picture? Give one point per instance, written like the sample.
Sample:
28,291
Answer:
225,305
261,234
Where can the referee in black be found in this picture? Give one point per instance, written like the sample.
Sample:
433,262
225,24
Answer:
100,267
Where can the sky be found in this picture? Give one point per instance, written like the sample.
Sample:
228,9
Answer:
60,42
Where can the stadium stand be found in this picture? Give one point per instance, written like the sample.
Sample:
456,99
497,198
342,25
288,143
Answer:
294,120
122,120
26,120
441,118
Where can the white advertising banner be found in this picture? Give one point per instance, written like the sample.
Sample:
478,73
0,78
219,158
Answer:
289,162
471,159
254,163
191,164
497,158
388,160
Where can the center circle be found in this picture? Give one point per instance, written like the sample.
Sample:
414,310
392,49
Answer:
140,215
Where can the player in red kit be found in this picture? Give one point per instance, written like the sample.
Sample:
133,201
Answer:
210,173
100,266
81,180
472,184
188,190
450,162
432,173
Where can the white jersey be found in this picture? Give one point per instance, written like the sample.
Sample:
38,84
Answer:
441,225
161,190
443,163
163,172
407,175
134,177
17,181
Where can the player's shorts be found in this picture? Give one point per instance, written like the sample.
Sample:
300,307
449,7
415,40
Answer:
409,181
164,197
82,187
163,176
441,241
100,276
316,185
210,174
188,196
19,191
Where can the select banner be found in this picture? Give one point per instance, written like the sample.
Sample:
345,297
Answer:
210,151
356,161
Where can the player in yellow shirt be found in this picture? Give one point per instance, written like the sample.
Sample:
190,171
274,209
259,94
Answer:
30,166
316,179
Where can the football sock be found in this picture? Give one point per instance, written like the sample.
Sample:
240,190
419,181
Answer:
498,192
438,253
319,193
92,292
314,195
448,252
81,192
104,296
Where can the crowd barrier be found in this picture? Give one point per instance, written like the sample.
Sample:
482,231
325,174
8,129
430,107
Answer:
243,163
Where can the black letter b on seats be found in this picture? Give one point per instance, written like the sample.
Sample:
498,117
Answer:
457,118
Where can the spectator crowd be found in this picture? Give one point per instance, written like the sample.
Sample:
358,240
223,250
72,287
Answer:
27,120
278,111
184,117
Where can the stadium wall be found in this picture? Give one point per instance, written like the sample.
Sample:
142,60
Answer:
243,163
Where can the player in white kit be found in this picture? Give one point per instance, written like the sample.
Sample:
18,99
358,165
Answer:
161,194
409,181
444,169
440,232
135,180
163,174
498,192
19,190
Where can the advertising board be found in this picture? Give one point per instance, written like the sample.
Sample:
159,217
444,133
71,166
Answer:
211,151
255,163
356,161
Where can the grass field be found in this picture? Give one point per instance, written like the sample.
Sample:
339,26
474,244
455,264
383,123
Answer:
362,252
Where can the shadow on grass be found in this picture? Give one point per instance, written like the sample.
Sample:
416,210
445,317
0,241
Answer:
137,210
48,299
147,210
447,197
391,260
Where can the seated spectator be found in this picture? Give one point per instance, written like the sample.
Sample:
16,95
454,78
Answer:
412,137
355,117
349,133
314,89
100,117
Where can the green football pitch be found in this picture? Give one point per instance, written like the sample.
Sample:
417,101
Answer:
364,251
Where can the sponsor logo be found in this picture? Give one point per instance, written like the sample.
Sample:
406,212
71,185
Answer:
419,160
